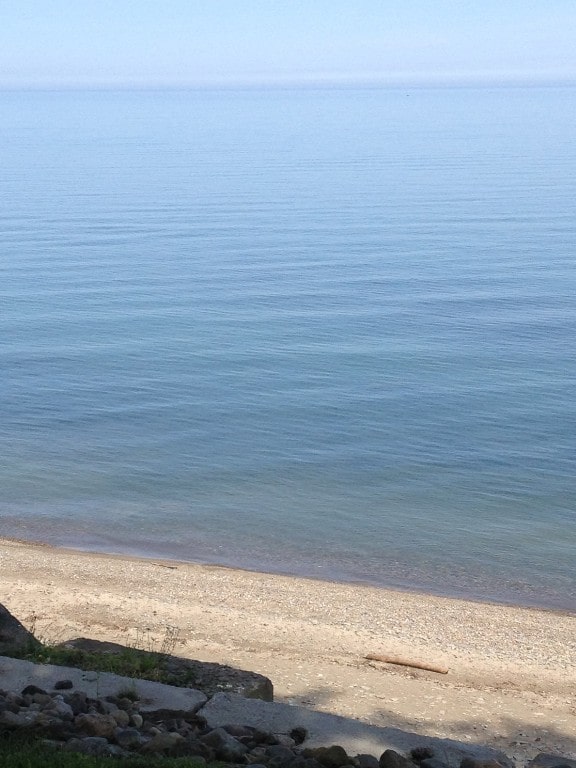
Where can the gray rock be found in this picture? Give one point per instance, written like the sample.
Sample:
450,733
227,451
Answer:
470,762
546,760
195,748
12,720
61,708
392,759
128,738
95,746
163,744
330,757
432,762
284,740
121,717
239,731
208,677
14,637
97,725
366,761
279,755
225,746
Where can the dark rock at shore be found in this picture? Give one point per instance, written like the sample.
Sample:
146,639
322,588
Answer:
208,677
392,759
545,760
14,637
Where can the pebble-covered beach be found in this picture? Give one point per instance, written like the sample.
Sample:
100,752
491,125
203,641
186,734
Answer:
511,671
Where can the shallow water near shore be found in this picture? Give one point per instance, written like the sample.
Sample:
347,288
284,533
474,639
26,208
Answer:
327,333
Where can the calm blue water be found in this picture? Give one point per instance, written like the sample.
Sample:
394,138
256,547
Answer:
319,332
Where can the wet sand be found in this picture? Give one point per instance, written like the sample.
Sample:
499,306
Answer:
512,671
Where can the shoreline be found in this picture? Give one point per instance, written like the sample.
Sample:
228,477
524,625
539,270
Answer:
464,597
511,669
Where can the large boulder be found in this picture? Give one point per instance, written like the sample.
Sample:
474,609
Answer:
14,637
208,677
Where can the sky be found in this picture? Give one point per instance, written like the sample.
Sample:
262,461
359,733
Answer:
182,43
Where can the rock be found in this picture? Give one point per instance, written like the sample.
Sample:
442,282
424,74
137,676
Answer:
193,747
42,698
330,757
240,731
418,754
433,762
208,677
136,719
96,746
54,728
285,741
121,717
367,761
61,708
471,762
13,720
128,738
14,637
163,744
97,725
63,685
546,760
279,755
77,701
392,759
299,735
32,690
225,746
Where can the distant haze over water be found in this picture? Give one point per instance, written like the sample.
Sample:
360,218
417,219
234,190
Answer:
321,332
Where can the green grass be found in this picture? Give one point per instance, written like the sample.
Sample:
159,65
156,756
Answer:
19,753
130,662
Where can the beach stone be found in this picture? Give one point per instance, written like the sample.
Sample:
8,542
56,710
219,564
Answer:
330,757
392,759
240,731
280,755
547,760
77,701
63,685
54,728
284,740
367,761
470,762
95,746
305,762
42,698
208,677
433,762
97,725
136,719
163,744
121,717
13,720
225,746
195,748
128,738
299,734
14,637
32,690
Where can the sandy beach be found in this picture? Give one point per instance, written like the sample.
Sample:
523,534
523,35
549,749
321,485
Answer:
512,671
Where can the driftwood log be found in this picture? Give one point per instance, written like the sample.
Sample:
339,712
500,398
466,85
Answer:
407,663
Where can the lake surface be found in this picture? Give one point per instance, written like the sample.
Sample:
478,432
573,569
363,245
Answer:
320,332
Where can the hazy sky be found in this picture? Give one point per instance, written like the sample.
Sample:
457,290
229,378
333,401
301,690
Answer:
193,42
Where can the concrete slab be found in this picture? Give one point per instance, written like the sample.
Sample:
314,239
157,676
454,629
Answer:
16,674
325,729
